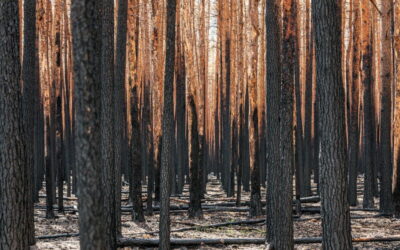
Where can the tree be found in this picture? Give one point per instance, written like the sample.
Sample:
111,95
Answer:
86,32
367,97
180,108
396,122
308,104
195,178
14,220
283,229
386,110
280,82
136,149
167,127
30,86
273,29
107,120
354,130
255,199
330,97
119,107
49,176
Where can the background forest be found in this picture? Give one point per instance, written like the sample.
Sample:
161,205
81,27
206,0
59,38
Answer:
253,123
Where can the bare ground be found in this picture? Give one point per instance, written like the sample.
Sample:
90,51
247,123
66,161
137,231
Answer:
309,225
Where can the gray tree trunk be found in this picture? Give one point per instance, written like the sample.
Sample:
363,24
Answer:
30,86
195,180
85,15
330,97
136,149
167,127
14,209
119,107
107,120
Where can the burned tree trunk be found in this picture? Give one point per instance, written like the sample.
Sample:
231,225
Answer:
330,98
354,131
30,86
107,120
367,83
86,19
167,127
386,170
255,197
195,180
136,150
14,209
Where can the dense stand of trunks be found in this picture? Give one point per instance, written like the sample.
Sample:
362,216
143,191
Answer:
177,90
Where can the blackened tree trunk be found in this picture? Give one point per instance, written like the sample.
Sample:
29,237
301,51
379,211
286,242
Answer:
157,171
86,32
153,186
14,219
246,146
240,157
367,83
180,115
274,222
299,145
308,105
53,138
60,154
30,84
354,131
283,226
386,172
330,97
107,120
195,180
49,173
146,133
226,120
136,144
119,107
167,127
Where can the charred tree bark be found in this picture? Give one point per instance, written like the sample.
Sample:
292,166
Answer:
107,120
195,180
308,104
283,226
274,81
30,86
14,208
167,127
180,114
119,108
60,154
136,192
354,131
86,20
367,83
49,173
386,169
330,98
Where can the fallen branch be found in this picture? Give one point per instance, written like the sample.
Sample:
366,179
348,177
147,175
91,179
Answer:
56,236
126,242
64,198
200,227
129,242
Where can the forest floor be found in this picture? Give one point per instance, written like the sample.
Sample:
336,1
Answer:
364,224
